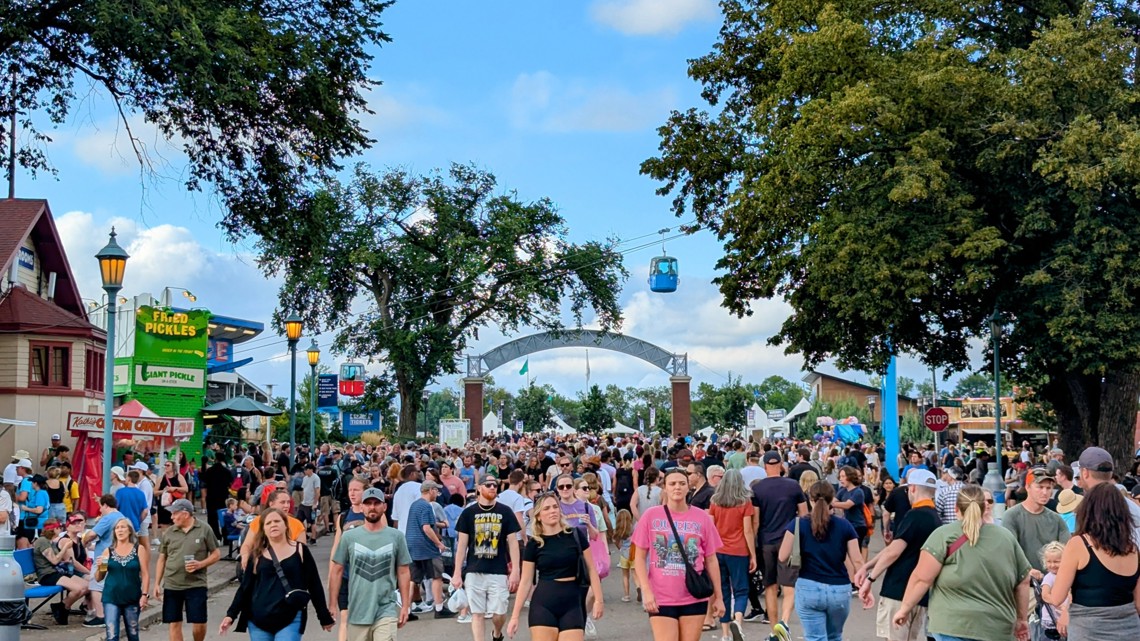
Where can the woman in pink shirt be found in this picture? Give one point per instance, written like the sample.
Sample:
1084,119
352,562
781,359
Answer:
674,614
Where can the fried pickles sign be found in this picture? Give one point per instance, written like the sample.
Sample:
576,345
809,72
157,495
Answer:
172,338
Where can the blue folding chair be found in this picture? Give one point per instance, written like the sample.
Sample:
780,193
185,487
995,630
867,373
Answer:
34,590
231,539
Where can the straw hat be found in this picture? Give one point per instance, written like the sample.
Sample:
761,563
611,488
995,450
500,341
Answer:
1067,501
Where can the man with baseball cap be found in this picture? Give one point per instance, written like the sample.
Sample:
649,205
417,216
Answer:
426,547
378,565
1031,523
47,459
12,470
187,549
778,500
1096,467
900,558
489,527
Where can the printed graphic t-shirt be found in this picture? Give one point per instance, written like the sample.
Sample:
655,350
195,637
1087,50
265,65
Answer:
487,530
666,567
370,560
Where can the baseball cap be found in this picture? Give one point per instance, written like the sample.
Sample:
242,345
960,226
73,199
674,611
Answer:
1096,459
922,478
1040,473
428,486
487,477
772,457
24,463
181,505
141,466
55,437
118,471
372,493
754,456
684,453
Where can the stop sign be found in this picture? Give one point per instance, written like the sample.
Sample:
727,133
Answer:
936,419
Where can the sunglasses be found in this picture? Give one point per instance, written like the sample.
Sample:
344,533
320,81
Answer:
495,485
565,487
989,501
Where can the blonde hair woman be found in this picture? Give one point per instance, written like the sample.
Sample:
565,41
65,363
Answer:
556,551
124,568
977,576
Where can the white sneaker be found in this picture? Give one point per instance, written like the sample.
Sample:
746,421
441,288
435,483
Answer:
463,618
488,615
591,631
420,608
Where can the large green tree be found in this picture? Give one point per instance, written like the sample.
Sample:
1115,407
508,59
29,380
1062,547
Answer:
430,260
777,392
898,172
532,407
596,416
261,96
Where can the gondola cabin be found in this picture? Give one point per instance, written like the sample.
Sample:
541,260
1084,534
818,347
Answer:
663,274
352,379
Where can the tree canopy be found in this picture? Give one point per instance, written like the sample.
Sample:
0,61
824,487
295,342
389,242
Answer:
407,269
596,416
261,96
899,172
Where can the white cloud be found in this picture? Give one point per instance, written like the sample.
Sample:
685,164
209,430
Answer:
652,17
398,112
542,101
106,146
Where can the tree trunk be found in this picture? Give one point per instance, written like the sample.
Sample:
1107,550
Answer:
1117,425
410,398
1068,399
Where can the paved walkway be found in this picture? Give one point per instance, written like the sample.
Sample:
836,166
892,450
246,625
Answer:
621,620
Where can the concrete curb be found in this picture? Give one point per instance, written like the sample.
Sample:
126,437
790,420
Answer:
216,582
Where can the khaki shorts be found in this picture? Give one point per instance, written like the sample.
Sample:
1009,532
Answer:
326,506
884,629
487,593
382,630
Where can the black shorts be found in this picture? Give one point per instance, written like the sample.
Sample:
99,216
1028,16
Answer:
861,534
427,569
305,514
342,596
776,573
51,579
193,601
556,604
676,611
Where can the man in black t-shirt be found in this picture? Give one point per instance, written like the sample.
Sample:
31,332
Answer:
283,461
894,510
899,559
327,505
778,500
486,531
802,464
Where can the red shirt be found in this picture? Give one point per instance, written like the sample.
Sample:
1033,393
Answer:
729,523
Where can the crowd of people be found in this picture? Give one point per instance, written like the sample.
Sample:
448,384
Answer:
708,535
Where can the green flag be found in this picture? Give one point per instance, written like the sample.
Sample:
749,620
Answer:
525,367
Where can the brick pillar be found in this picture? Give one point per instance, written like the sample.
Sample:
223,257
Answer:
473,405
682,415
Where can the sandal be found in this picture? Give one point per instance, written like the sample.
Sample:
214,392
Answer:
708,627
625,599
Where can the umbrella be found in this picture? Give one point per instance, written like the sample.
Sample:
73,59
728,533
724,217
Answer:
824,421
242,406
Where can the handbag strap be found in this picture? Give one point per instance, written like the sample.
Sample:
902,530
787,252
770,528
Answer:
277,566
578,546
955,546
677,537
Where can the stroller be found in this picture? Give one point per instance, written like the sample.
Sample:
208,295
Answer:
1047,631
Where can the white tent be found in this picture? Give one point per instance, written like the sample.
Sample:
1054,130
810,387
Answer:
562,427
706,432
492,426
801,408
618,428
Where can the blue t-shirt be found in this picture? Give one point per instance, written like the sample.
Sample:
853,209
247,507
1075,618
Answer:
132,502
452,512
822,561
419,545
467,474
854,514
104,529
39,498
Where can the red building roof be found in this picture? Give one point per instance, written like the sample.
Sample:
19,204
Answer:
23,311
24,217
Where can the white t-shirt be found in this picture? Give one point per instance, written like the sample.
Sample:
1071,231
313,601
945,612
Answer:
147,488
402,501
11,474
752,473
310,490
518,503
6,507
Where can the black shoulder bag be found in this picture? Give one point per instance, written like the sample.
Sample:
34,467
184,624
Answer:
298,599
583,571
697,583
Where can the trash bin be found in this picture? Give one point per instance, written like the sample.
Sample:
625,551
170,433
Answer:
13,609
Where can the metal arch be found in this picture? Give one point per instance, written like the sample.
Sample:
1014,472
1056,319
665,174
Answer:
674,364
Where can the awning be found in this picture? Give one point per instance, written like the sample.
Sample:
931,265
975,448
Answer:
242,406
1032,430
980,431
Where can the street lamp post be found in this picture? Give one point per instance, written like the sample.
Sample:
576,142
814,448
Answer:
293,334
425,395
314,354
112,263
995,335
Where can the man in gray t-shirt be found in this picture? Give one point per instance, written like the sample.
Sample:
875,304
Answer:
1032,523
377,561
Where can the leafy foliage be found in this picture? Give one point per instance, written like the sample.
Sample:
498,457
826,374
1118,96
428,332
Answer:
897,172
532,407
261,96
980,385
435,258
596,416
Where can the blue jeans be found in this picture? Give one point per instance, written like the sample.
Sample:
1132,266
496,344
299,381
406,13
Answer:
57,511
130,615
733,584
291,632
822,609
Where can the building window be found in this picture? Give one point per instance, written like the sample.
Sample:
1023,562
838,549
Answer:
51,365
94,374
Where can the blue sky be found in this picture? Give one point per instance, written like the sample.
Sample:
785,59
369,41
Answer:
557,99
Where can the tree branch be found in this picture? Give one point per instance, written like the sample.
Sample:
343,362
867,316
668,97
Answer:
20,27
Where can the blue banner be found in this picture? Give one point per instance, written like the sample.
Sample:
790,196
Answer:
326,390
355,424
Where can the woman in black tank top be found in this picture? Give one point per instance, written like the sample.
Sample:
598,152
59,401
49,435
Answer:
1101,568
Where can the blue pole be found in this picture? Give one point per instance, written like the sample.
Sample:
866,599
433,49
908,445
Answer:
109,389
890,422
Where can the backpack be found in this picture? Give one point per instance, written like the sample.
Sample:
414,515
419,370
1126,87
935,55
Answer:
868,505
623,489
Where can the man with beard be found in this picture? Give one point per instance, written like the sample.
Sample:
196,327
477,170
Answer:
378,564
489,526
